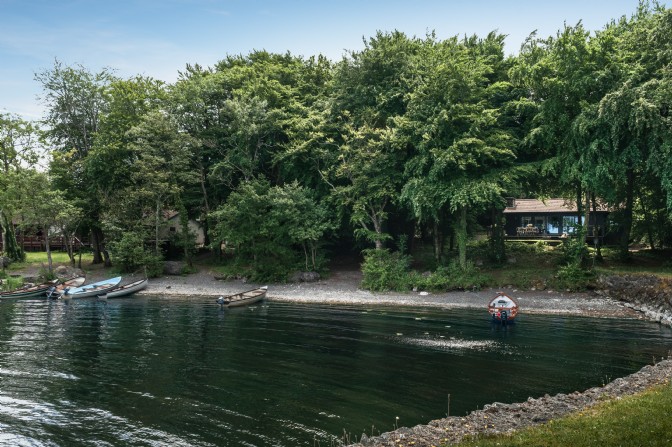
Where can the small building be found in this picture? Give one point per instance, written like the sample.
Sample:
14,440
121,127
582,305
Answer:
551,218
173,226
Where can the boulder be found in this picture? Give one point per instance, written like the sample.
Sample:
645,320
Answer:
4,262
61,270
173,267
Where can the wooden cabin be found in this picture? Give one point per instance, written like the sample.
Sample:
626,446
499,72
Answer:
549,219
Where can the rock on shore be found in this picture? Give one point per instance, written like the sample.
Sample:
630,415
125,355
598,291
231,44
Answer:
504,418
649,294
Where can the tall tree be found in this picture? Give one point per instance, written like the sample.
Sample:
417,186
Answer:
75,98
371,90
453,121
18,155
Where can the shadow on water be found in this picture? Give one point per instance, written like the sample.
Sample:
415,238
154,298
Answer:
187,372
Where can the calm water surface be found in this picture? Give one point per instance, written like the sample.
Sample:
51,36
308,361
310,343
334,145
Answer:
151,371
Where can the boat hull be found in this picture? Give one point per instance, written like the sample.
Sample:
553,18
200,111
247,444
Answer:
29,292
92,290
243,298
127,289
503,309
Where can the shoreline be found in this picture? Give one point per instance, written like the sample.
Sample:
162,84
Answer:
343,289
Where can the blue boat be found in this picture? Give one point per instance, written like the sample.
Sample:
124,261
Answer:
93,289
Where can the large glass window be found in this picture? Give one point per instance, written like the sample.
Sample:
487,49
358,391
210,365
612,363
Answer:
569,223
554,223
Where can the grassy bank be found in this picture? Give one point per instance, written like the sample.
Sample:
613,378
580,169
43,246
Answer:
640,420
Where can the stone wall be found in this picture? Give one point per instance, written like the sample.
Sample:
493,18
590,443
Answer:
648,294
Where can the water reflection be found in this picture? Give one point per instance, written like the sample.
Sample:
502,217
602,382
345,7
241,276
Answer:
143,371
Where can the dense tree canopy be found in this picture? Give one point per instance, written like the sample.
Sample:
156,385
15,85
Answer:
274,154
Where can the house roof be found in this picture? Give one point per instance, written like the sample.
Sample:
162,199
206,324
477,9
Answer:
530,206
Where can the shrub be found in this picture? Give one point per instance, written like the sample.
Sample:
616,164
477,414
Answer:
452,277
384,270
573,277
130,254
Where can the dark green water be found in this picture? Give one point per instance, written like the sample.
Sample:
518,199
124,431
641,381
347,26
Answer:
151,371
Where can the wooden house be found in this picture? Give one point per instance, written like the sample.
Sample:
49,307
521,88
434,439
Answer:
549,219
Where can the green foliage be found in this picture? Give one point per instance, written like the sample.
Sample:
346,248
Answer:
384,270
130,254
271,227
574,277
452,277
9,282
574,249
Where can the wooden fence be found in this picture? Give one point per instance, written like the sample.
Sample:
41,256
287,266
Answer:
37,243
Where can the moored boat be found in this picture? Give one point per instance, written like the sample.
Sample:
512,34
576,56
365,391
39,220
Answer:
30,291
503,308
56,290
126,289
243,298
93,289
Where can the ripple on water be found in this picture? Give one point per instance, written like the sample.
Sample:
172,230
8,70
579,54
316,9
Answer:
448,344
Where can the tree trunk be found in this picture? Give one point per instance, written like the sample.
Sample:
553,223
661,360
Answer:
648,222
156,227
461,234
106,257
598,234
579,202
497,242
10,245
96,236
47,246
436,237
627,215
206,208
184,223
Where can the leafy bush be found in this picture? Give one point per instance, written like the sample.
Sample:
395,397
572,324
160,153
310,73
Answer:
130,254
384,270
10,283
573,277
574,249
452,277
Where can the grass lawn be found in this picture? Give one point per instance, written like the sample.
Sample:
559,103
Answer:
39,258
641,420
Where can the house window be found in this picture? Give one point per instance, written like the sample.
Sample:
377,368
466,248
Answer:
554,223
569,223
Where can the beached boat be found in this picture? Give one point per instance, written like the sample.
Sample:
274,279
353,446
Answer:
56,290
93,289
503,308
243,298
29,291
126,289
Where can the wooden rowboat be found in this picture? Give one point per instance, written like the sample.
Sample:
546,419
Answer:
31,291
57,290
93,289
243,298
126,289
503,308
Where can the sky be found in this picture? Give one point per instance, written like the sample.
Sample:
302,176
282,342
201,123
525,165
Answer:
158,38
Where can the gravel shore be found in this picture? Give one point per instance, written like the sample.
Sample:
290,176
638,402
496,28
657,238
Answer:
342,287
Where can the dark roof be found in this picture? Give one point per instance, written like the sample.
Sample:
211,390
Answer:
531,206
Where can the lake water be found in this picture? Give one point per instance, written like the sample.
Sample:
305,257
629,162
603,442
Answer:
151,371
